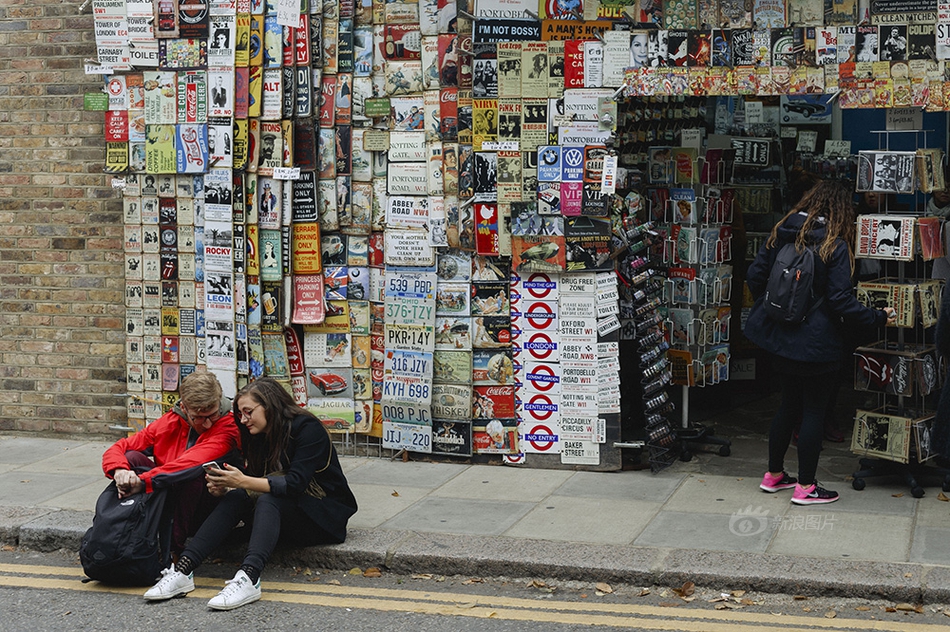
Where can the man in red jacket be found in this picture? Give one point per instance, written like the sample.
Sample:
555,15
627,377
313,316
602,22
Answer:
169,453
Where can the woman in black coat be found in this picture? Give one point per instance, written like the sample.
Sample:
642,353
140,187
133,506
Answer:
292,489
807,354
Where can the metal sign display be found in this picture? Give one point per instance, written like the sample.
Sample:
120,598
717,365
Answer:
399,436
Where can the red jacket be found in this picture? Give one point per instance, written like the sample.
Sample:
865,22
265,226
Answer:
165,439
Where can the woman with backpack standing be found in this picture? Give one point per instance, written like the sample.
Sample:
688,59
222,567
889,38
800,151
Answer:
805,354
292,488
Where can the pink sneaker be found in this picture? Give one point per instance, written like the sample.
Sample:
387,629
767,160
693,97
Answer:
813,495
772,484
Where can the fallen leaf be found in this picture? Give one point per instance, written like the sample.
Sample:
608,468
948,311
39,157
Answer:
583,595
473,580
862,608
799,597
723,606
356,570
806,609
905,607
737,593
669,604
395,493
944,498
604,587
536,583
946,613
831,614
440,578
890,609
7,547
898,495
747,602
422,576
908,574
334,582
644,592
717,599
372,572
689,599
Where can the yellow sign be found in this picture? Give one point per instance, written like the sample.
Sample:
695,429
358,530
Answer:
306,248
170,321
117,157
571,29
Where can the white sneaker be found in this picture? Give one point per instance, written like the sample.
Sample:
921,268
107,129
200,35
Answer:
170,585
236,593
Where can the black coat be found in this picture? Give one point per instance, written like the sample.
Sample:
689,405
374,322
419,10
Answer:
820,338
311,460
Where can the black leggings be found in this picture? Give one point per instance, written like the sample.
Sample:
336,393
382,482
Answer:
271,518
805,398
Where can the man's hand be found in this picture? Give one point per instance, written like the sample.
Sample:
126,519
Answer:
217,490
127,482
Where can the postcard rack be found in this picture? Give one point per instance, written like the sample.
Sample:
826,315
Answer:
641,292
694,206
903,369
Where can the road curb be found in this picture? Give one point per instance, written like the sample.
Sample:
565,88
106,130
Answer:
409,552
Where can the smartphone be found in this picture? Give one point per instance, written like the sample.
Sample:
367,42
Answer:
211,465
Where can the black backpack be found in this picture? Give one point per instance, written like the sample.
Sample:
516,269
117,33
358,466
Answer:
788,295
124,545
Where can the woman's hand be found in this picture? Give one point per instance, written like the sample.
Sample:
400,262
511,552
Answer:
891,315
224,480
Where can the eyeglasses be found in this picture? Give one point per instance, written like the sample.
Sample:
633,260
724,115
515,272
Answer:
246,414
214,416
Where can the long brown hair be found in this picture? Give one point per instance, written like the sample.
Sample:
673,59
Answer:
828,203
263,452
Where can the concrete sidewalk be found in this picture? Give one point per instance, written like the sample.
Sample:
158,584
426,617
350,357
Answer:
704,521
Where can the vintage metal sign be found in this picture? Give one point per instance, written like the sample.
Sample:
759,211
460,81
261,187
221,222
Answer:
399,436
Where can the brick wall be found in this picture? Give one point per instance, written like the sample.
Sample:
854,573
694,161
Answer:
62,349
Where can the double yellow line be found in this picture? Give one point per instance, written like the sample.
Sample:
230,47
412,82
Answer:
504,608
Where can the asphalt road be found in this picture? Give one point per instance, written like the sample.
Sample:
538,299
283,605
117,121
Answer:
44,592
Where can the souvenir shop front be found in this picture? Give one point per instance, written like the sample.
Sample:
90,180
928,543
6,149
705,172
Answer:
498,230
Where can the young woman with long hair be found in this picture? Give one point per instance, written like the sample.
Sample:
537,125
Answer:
292,488
806,355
